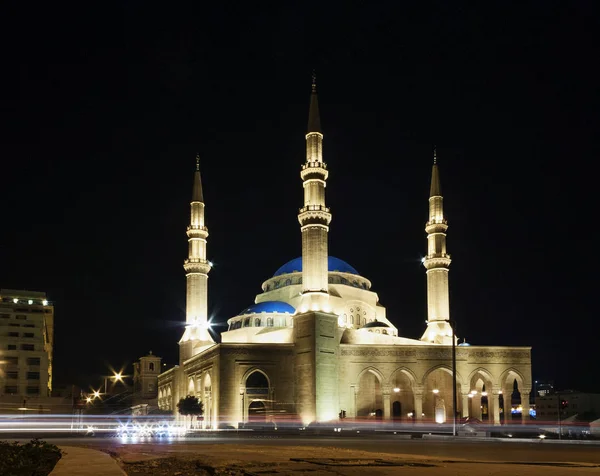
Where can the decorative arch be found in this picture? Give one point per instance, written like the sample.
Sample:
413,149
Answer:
518,376
446,368
484,374
406,371
191,388
249,372
372,370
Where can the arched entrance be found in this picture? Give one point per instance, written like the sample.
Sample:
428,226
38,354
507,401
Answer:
369,402
437,396
257,412
208,402
402,395
396,411
257,400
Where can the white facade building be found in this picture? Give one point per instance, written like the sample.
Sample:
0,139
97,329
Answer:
317,341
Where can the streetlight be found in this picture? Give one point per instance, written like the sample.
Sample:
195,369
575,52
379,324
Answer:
454,403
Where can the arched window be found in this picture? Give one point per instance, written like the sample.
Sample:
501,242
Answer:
276,284
344,281
288,282
268,287
384,332
330,279
151,366
246,322
355,284
257,322
269,322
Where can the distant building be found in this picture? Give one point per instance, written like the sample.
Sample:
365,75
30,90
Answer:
26,344
567,403
145,379
543,388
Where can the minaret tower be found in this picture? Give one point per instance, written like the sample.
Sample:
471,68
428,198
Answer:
314,216
437,263
196,336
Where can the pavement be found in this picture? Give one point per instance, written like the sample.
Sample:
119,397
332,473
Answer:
253,460
77,461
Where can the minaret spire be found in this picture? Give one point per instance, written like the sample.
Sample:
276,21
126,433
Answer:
314,217
197,194
437,263
196,337
314,121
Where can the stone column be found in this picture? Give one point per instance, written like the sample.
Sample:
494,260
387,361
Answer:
387,410
494,400
354,411
418,393
465,405
507,395
525,406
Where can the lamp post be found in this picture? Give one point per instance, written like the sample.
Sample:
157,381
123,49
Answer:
454,403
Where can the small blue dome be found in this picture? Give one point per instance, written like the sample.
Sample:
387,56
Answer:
333,263
268,306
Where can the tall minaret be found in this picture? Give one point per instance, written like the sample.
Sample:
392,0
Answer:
437,263
314,216
196,336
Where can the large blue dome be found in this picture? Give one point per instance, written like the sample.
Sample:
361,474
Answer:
268,306
333,263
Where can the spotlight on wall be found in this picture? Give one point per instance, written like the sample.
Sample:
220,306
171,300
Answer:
396,390
435,390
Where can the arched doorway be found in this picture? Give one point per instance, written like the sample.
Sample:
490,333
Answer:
402,395
437,396
369,402
257,412
397,411
207,401
257,397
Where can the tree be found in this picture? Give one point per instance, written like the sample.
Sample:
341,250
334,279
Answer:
190,405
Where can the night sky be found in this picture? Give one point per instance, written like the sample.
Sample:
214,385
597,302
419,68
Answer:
105,110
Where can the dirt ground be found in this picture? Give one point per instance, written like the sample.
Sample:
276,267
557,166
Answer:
252,460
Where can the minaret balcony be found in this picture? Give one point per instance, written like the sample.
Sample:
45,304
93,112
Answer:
197,265
314,170
197,232
436,226
314,215
437,260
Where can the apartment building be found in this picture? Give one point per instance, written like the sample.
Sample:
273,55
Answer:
26,344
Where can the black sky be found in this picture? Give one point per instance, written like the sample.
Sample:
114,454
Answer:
105,108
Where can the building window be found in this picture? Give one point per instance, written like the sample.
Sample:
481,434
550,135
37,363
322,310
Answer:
28,334
12,374
151,366
13,334
21,317
247,322
288,282
10,389
257,322
27,347
4,316
33,375
276,284
12,346
28,325
12,360
344,281
33,390
33,361
14,324
269,322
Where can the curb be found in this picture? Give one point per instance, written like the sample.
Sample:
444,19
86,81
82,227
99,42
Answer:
86,462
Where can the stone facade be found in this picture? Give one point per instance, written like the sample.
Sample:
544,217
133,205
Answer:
317,344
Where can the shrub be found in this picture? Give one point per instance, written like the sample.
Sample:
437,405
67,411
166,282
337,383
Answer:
36,458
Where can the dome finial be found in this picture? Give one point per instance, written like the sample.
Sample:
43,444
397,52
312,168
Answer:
314,81
434,155
197,162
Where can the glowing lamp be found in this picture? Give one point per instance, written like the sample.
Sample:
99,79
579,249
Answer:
45,302
396,390
484,394
15,300
30,301
435,390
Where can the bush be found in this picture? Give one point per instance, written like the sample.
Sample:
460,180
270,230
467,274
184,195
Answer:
36,458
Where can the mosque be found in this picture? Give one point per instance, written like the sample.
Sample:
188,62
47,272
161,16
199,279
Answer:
317,344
